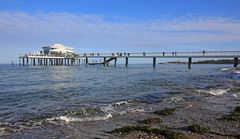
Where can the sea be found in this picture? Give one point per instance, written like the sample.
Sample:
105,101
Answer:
36,100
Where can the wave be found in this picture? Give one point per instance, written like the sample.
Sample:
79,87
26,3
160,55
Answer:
237,72
226,69
231,70
236,95
113,108
173,99
215,92
121,103
69,119
87,114
96,114
7,128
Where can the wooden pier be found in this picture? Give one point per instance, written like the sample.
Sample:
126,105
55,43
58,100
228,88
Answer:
83,59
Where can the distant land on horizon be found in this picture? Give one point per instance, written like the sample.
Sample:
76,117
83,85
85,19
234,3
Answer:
220,61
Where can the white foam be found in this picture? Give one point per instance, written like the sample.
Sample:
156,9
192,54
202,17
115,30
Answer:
107,109
2,131
237,72
173,99
176,99
225,69
231,70
121,112
111,108
69,119
215,92
136,110
235,95
121,103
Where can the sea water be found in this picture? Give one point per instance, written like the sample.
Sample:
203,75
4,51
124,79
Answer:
33,95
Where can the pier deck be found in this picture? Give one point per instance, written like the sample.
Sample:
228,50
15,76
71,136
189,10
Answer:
83,58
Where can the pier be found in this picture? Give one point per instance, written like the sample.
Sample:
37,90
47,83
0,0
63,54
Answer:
106,58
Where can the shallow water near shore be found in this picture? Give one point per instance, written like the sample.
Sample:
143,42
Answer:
87,102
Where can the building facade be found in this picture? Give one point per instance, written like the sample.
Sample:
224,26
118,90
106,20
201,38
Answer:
57,49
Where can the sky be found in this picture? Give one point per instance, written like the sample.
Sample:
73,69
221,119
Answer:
118,25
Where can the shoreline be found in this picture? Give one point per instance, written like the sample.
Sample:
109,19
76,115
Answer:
204,110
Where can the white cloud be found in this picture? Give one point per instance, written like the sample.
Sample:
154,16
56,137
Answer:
95,32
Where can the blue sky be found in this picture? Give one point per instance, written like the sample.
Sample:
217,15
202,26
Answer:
118,25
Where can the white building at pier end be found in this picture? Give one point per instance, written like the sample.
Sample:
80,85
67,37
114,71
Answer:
56,49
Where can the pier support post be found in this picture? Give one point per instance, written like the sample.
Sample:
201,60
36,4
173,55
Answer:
34,62
154,62
23,61
72,62
189,63
40,61
235,61
115,62
86,61
104,61
126,63
57,62
27,61
45,61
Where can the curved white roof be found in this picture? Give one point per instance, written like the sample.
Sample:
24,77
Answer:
59,46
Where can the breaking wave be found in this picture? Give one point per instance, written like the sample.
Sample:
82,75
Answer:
69,119
214,92
230,70
97,114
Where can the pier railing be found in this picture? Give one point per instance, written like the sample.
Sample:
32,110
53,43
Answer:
162,54
143,54
49,55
